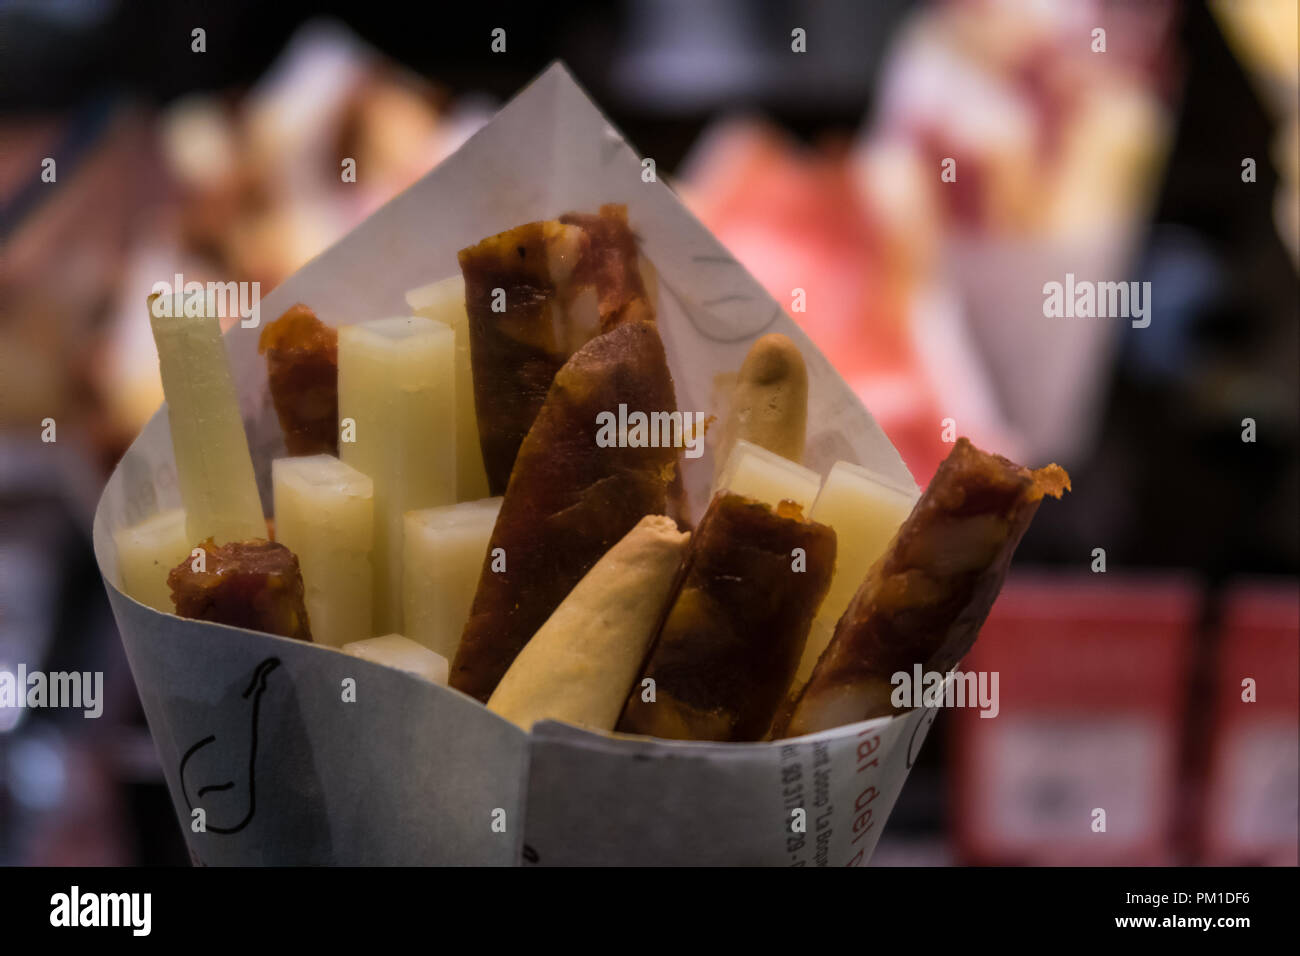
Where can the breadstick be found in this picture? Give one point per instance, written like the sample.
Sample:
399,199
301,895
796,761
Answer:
580,666
769,405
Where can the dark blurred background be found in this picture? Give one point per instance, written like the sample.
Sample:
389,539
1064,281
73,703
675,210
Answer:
819,170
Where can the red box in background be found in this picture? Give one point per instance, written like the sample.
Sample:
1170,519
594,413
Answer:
1092,686
1249,815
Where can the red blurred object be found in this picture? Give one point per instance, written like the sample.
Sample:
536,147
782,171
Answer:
795,219
1092,671
1250,811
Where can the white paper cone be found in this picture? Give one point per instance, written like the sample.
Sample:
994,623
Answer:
415,773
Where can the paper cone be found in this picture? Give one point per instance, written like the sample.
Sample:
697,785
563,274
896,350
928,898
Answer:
254,730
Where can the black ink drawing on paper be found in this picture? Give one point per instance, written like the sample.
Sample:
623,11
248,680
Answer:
242,780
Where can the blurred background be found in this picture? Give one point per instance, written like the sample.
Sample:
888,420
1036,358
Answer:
1169,157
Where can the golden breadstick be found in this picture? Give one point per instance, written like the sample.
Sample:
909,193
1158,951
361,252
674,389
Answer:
580,666
769,406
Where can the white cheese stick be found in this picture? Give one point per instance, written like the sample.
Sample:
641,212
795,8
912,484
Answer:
444,301
394,650
580,666
324,514
757,473
213,466
396,385
866,512
444,552
146,553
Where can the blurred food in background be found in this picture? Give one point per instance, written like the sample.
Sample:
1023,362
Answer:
1003,153
261,183
1054,135
826,174
258,177
1265,35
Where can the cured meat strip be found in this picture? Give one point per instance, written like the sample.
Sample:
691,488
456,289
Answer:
611,267
569,500
735,631
302,367
926,599
535,295
252,584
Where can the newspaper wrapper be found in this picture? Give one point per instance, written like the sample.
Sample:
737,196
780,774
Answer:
256,735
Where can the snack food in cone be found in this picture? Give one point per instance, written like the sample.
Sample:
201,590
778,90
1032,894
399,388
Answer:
366,759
